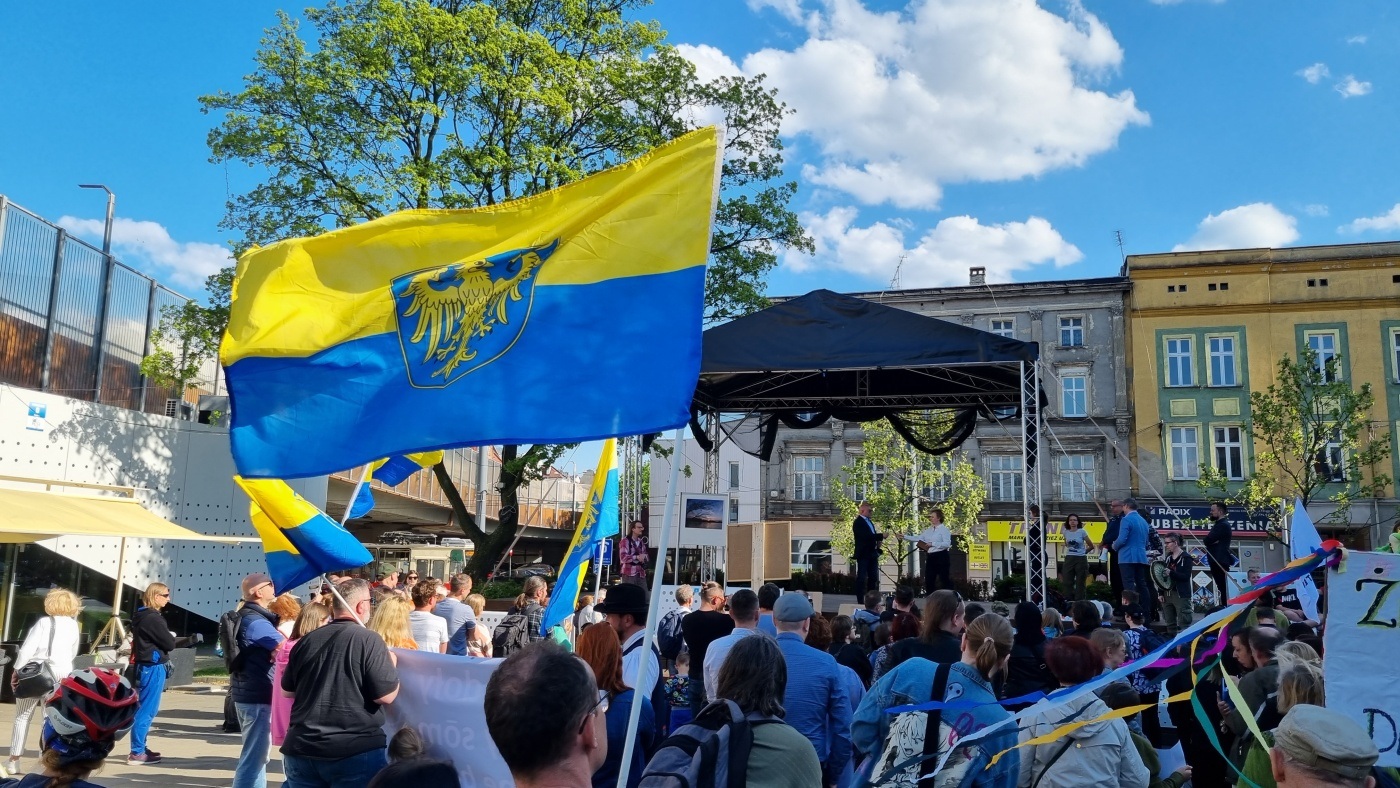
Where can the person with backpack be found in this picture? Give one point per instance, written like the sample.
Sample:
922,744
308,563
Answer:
250,678
867,618
669,637
740,740
599,647
886,741
522,626
1142,641
626,612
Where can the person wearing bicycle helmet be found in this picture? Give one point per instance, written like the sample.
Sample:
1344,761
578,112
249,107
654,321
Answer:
83,719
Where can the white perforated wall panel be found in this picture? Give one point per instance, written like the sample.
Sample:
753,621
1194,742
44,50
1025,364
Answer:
183,471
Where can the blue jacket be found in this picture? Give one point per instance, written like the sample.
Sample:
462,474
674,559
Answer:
816,701
912,682
1132,539
257,639
619,710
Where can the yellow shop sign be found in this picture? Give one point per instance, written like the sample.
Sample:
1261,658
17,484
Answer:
1015,531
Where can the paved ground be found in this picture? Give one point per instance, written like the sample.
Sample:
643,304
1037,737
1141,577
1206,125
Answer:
194,751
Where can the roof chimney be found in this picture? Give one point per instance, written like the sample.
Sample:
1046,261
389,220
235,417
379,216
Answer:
979,275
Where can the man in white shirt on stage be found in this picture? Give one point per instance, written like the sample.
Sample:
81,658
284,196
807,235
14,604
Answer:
935,541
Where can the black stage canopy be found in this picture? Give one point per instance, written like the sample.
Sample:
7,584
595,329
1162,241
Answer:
825,355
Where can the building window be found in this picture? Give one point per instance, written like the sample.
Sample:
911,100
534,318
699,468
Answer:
1331,460
1222,361
940,485
1074,390
866,491
1181,369
1395,351
1077,478
733,475
1229,452
1071,332
809,477
1324,345
733,510
1186,457
1004,473
1004,328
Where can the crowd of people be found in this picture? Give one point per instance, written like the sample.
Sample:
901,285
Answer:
761,681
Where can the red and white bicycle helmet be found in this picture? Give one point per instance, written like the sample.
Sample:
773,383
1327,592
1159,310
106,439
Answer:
96,702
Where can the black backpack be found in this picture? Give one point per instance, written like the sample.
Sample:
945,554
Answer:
511,635
660,704
712,750
865,633
230,624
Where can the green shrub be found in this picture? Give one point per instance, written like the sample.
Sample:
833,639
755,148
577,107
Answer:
502,589
1102,592
1011,588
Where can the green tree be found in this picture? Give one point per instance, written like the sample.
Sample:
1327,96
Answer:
897,480
185,338
401,104
1315,440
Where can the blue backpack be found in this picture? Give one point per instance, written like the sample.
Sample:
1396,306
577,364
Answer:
668,634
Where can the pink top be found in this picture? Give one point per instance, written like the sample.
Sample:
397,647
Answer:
281,705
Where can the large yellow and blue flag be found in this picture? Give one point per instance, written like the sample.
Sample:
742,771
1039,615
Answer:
392,471
599,522
300,541
572,315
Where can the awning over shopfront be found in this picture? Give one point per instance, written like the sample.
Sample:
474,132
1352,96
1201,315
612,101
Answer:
34,515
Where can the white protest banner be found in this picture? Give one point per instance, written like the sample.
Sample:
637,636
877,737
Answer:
1303,539
443,697
1361,641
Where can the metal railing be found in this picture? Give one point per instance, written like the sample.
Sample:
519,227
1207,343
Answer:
74,321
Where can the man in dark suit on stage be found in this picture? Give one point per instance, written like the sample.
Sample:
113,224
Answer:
867,552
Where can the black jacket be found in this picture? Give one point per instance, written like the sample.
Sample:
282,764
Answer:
867,546
1026,672
1110,533
151,641
946,647
1217,542
251,682
1179,569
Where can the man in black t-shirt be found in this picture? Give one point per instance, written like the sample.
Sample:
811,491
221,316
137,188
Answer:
699,630
338,676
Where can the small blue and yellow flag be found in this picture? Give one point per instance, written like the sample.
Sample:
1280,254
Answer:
599,522
568,316
300,541
392,471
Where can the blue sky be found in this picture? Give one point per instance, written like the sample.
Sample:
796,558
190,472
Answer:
948,132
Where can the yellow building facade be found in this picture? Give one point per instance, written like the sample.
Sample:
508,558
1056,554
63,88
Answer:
1207,328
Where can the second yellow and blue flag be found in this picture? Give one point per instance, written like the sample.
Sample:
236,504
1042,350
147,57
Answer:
599,522
300,542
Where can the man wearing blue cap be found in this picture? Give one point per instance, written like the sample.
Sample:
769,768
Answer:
815,700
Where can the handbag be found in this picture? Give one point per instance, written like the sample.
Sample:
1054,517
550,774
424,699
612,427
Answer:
35,678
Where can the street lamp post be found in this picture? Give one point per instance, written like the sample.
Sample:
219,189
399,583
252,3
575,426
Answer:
107,268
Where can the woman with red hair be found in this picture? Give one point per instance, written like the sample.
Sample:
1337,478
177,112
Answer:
600,648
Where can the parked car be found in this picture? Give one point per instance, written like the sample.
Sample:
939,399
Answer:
532,570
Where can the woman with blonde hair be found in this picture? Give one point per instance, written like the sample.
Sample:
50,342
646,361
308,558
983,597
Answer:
311,618
890,740
1299,684
390,621
479,639
52,640
151,644
286,607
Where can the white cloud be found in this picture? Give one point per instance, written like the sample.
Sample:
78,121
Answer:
1385,222
791,9
1315,209
1357,40
945,91
1351,87
941,257
1250,226
135,242
1315,73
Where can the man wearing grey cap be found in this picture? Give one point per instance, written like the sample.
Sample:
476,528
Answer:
815,699
250,681
1314,746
